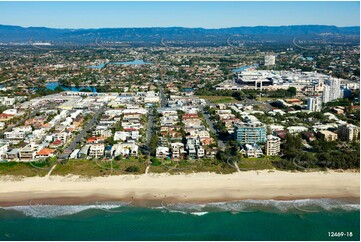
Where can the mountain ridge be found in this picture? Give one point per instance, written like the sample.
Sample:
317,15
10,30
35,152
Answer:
12,33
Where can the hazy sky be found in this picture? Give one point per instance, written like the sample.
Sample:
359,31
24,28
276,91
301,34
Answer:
185,14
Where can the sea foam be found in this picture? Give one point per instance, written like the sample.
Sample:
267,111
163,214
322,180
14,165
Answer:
301,205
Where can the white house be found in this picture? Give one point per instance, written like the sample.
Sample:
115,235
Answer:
251,150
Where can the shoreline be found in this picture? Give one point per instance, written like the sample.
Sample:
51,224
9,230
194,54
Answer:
142,190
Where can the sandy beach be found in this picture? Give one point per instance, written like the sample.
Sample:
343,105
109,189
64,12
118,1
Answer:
198,187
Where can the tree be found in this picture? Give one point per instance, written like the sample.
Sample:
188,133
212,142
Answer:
292,91
155,161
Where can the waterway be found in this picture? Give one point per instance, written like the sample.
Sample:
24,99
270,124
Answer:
53,85
134,62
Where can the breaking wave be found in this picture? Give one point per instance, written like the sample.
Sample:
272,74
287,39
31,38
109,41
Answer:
51,211
196,209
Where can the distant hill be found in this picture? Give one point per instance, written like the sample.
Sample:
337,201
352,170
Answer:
168,34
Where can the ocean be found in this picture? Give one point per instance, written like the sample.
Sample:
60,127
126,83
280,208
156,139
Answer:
306,219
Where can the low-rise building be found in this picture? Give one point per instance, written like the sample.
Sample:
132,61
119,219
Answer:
328,135
162,152
96,151
251,150
27,153
45,153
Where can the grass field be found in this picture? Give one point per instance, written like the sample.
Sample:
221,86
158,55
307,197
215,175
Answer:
220,99
97,168
263,163
92,168
206,165
25,168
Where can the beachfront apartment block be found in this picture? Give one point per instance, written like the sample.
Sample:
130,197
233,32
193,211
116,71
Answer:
273,145
250,133
349,132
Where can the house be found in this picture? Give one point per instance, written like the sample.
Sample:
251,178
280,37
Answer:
13,154
96,150
56,144
3,149
211,152
14,135
74,154
200,152
251,150
125,149
5,117
63,136
83,153
281,133
162,152
45,153
27,153
92,140
296,129
177,150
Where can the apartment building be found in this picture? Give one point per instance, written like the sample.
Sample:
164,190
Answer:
250,133
273,145
349,132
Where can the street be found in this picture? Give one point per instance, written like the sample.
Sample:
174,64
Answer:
67,151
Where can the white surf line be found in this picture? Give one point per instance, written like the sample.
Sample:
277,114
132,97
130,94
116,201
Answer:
51,170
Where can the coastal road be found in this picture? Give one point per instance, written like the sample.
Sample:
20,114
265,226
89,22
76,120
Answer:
149,133
67,151
163,100
206,116
150,125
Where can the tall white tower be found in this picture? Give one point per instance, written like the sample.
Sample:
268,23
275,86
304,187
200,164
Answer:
269,60
332,90
314,104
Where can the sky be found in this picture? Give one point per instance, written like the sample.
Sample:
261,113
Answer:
184,14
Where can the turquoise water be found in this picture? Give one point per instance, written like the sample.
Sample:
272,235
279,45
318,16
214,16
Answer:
243,220
134,62
53,85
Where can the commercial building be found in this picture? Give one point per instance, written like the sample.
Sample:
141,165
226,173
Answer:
250,133
314,104
273,145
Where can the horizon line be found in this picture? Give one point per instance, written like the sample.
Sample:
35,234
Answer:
244,26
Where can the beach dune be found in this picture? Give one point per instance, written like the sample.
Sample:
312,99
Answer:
197,187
